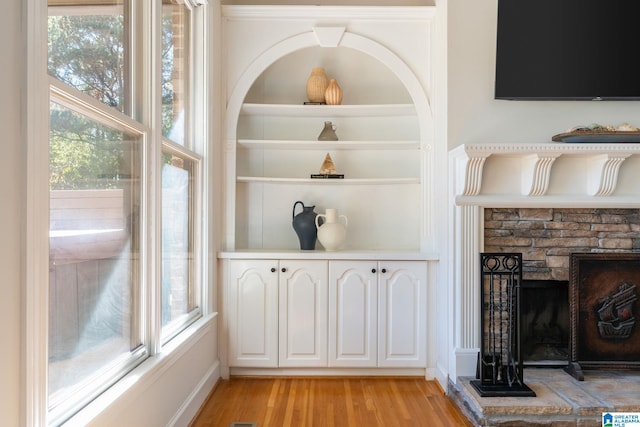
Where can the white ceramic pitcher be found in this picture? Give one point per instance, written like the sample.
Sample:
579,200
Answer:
332,232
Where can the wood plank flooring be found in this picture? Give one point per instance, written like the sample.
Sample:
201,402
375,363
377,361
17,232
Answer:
331,402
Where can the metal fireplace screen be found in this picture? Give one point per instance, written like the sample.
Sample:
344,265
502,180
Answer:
500,365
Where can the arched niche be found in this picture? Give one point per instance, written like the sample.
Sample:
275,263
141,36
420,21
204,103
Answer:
330,38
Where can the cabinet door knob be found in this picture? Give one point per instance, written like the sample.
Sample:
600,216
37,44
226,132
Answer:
273,269
283,270
384,270
373,270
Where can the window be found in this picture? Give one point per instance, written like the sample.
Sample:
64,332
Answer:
125,189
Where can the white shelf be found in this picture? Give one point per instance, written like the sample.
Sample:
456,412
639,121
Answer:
364,254
300,110
328,145
331,181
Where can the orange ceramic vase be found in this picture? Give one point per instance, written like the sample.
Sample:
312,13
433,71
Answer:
317,85
333,93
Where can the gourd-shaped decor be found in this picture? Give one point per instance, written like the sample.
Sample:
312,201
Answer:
317,84
333,93
332,233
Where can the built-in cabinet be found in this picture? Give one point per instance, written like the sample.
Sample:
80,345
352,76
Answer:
377,313
326,313
287,308
302,322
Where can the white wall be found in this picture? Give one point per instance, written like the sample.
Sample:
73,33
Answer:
11,189
475,117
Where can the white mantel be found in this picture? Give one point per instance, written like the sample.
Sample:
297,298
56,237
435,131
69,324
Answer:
517,175
547,175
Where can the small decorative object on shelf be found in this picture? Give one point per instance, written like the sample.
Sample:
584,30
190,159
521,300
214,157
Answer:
332,233
327,175
600,134
304,224
327,170
328,167
328,132
316,85
333,94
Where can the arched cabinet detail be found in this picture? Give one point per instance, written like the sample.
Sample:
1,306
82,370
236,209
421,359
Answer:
384,149
384,155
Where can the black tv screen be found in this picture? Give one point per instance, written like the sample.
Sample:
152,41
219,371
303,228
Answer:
568,49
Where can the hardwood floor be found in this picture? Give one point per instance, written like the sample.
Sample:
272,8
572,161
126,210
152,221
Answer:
320,401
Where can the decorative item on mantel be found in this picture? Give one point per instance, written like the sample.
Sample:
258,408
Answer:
328,132
333,94
600,134
332,233
327,170
304,224
316,86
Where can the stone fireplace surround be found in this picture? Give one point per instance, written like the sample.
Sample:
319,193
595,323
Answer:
591,186
546,237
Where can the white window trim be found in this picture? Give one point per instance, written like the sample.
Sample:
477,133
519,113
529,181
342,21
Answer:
35,240
36,235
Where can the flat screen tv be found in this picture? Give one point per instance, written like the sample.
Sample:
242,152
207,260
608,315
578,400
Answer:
568,49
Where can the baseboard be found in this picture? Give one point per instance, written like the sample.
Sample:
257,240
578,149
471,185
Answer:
335,372
192,404
466,360
442,376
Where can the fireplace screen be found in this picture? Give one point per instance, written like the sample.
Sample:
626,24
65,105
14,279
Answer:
603,298
500,366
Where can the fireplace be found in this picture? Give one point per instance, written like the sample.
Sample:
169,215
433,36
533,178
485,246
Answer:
545,323
545,200
547,238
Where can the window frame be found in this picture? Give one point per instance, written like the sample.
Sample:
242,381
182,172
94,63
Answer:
87,106
35,266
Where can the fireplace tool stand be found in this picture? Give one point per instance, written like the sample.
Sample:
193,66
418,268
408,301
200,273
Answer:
500,365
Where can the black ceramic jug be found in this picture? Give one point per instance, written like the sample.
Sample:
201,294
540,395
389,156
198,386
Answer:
304,224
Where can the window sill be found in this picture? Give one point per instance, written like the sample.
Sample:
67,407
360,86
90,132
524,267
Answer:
147,373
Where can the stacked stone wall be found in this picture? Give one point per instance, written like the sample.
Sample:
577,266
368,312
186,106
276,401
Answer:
546,237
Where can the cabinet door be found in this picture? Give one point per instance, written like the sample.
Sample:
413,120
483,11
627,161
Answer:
402,314
303,313
352,313
253,313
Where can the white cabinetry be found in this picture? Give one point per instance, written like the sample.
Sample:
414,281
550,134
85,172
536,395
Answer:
327,309
402,312
252,313
377,313
303,313
353,313
276,314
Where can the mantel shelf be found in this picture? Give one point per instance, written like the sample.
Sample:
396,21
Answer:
300,110
328,145
580,171
345,181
